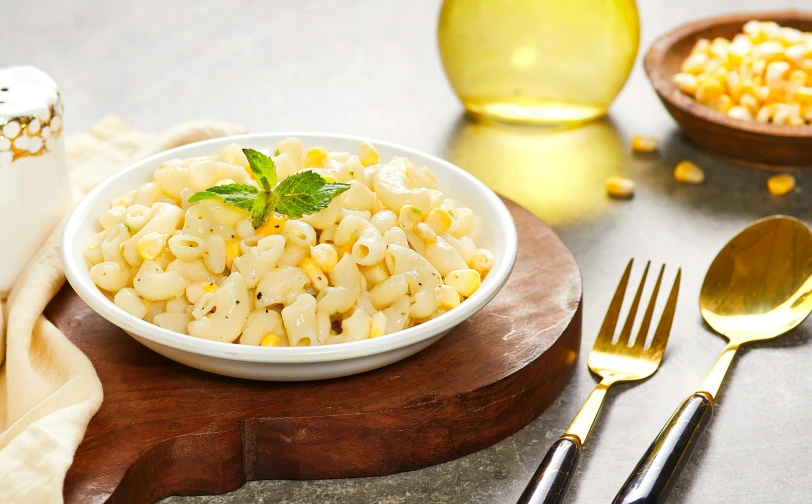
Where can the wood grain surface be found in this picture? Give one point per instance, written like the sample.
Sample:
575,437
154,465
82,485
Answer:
769,146
166,429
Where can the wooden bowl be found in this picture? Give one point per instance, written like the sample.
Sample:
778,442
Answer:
763,145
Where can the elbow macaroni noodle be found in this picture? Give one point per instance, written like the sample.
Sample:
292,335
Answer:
389,253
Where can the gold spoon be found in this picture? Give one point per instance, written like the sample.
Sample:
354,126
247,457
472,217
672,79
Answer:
758,287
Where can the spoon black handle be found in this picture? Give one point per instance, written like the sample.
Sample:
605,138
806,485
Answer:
550,482
656,474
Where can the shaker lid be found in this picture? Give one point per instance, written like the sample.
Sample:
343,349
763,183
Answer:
26,91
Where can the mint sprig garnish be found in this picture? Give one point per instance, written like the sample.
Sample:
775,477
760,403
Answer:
299,194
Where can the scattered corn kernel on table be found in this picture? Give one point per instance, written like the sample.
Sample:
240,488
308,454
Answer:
371,68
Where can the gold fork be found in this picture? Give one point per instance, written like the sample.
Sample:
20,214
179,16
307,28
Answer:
621,361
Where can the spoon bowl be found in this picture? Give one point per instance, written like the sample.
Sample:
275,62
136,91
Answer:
758,286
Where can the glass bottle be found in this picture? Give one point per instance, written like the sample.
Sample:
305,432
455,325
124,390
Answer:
538,61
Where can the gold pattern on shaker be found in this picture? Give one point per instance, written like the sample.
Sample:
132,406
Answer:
25,129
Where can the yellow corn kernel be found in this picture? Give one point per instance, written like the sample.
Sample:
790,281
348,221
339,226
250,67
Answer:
749,102
779,185
210,287
232,251
619,187
752,29
325,255
806,112
643,143
377,325
329,179
317,277
271,339
685,82
425,232
775,72
439,220
747,87
464,281
695,63
701,46
151,245
708,88
688,172
781,114
722,103
764,114
804,94
790,36
740,112
314,157
770,29
273,225
796,52
344,249
769,51
447,296
367,154
482,261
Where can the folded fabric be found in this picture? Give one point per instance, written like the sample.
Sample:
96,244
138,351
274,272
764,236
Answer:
48,388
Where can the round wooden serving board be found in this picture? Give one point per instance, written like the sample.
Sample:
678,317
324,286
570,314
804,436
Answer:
166,429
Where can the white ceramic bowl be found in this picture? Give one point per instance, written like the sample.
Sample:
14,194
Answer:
495,231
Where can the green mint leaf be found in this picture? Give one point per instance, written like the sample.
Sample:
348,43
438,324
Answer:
305,193
417,211
238,195
262,167
258,210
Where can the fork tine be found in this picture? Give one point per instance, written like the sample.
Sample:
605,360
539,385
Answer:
627,327
664,328
643,331
610,321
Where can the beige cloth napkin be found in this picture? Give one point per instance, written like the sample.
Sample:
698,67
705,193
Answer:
48,388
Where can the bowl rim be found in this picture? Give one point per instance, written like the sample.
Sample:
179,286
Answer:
653,65
90,294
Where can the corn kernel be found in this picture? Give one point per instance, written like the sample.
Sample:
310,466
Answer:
151,245
210,287
315,157
775,72
708,88
764,114
769,50
482,261
643,143
465,281
695,63
701,46
749,102
271,340
317,277
795,53
685,82
232,251
273,225
325,255
779,185
377,325
770,29
688,172
439,220
740,112
344,249
804,94
722,103
367,154
781,114
790,36
619,187
752,29
329,179
447,296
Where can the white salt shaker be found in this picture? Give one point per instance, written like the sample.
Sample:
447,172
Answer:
34,189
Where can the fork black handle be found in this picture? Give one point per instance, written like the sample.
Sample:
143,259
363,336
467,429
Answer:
657,473
550,482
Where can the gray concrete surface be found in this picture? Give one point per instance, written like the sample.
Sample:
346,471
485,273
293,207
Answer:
371,68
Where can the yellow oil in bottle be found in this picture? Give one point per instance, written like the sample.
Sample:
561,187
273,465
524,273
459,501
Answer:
538,61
